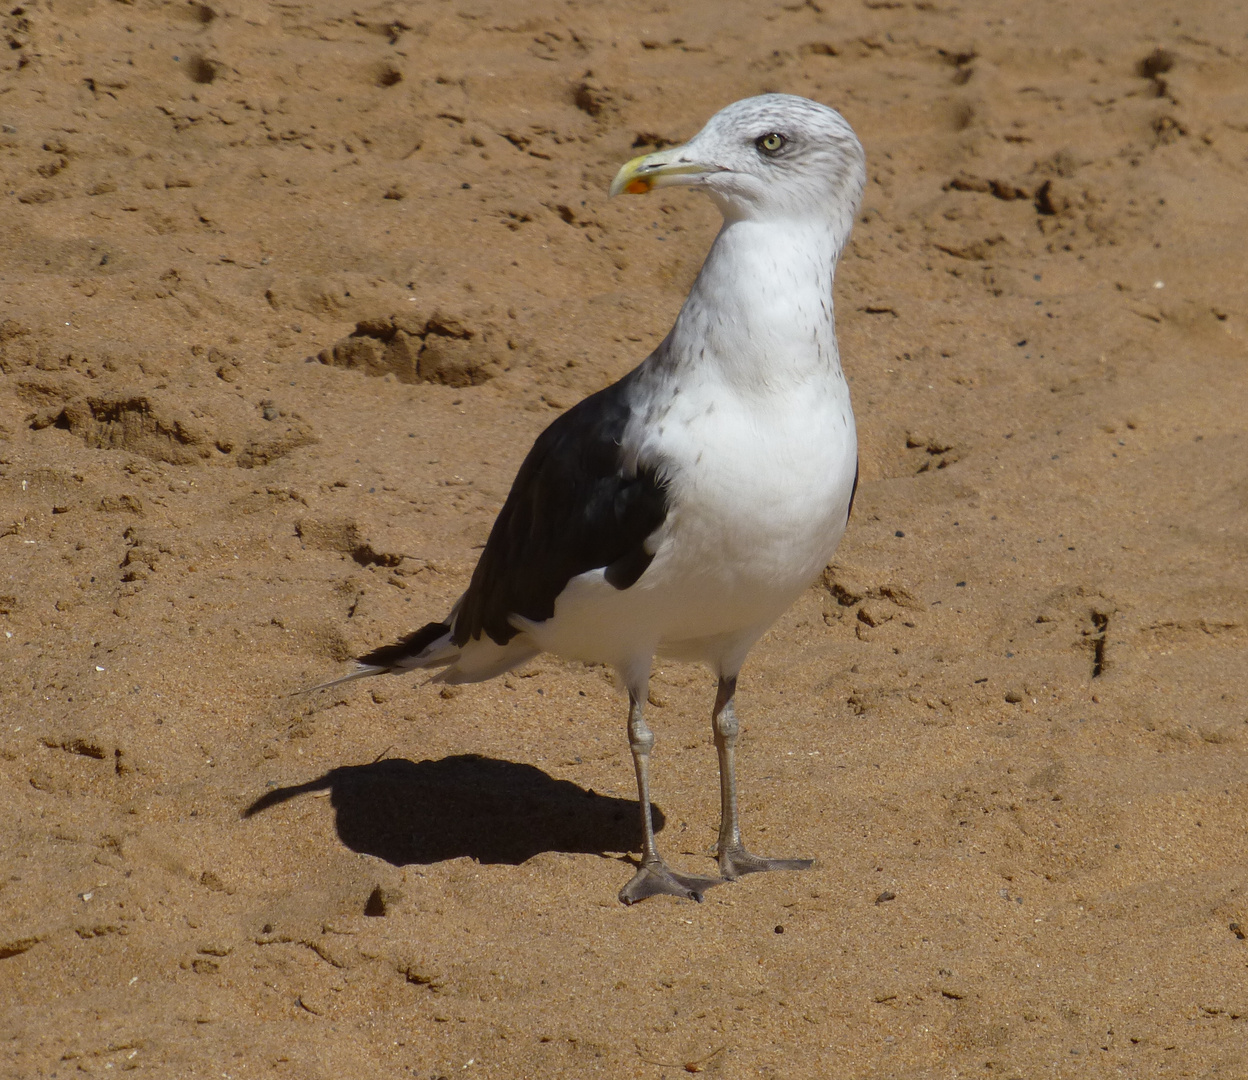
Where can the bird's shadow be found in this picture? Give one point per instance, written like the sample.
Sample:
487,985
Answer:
493,811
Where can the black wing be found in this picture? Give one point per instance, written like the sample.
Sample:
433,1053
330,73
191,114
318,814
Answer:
574,507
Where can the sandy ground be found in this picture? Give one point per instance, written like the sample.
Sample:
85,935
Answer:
1009,724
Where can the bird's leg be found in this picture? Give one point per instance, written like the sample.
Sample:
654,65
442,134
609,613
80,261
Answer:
654,877
734,860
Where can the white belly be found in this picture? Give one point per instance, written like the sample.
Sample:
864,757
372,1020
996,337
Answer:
759,493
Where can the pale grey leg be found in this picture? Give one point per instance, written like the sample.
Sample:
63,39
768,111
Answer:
654,877
734,860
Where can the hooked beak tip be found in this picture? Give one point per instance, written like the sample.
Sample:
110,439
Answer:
635,177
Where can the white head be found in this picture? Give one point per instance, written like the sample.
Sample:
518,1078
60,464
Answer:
765,158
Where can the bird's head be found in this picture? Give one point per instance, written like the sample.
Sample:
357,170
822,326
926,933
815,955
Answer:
771,157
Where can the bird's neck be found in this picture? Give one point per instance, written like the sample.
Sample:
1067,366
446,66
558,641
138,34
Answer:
761,307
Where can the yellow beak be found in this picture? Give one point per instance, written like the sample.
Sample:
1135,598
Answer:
661,169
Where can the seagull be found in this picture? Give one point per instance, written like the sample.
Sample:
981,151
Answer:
680,511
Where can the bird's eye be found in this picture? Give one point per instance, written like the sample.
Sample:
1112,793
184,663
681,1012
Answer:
771,143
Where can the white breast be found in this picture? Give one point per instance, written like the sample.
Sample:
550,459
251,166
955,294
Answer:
759,493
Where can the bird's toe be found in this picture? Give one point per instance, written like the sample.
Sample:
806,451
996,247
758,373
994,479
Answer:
735,861
658,879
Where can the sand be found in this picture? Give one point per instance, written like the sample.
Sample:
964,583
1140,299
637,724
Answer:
286,291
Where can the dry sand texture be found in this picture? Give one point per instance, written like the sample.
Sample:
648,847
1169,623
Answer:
1010,722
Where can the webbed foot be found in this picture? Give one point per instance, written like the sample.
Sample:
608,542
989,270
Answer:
658,879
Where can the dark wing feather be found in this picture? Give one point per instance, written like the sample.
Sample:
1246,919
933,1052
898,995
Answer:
412,645
574,507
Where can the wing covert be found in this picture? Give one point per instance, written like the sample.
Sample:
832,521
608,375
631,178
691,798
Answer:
575,506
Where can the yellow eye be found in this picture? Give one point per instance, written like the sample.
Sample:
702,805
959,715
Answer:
772,143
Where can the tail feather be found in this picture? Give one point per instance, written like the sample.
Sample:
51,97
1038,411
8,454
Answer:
415,650
430,646
361,672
